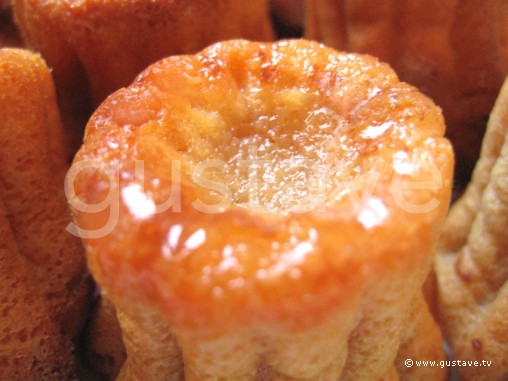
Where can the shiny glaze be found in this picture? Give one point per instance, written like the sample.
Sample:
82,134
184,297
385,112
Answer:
257,181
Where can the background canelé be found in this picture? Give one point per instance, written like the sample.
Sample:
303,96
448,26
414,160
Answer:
97,46
45,281
456,52
281,293
472,262
32,345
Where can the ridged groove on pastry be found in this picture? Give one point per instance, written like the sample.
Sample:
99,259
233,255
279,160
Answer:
32,169
32,347
472,266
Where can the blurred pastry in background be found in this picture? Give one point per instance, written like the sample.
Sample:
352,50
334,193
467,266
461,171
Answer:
9,36
456,52
103,347
288,17
43,266
472,261
96,47
33,347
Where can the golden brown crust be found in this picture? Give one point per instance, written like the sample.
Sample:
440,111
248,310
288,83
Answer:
391,375
178,299
455,52
152,351
472,267
422,341
33,348
32,169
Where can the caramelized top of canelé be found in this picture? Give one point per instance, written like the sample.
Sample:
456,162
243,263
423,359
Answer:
253,180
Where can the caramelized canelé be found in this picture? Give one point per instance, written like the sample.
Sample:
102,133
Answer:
264,211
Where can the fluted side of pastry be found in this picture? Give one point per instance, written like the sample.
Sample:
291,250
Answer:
472,265
35,211
32,345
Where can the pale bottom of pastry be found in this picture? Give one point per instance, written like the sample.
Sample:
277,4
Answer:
367,337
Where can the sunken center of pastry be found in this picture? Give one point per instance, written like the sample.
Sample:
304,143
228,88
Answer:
280,158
